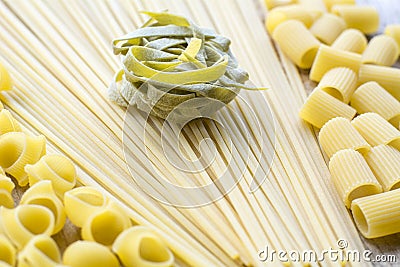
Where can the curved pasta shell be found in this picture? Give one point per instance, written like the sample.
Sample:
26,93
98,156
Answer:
8,253
83,201
42,193
6,187
140,246
89,254
340,83
105,225
381,50
5,79
8,123
59,169
24,222
5,264
41,251
351,40
327,28
19,149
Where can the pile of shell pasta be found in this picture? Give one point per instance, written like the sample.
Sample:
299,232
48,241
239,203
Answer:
355,103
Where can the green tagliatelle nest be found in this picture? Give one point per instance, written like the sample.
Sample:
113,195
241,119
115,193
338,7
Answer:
171,64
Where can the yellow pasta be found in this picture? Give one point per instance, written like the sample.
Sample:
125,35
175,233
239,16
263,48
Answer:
89,254
6,187
42,193
290,12
351,40
378,215
384,162
4,264
82,202
277,3
338,134
330,3
387,77
24,222
328,27
352,176
393,31
59,169
8,123
19,149
5,79
376,130
7,251
371,97
139,246
339,83
41,251
320,107
105,225
381,50
328,58
297,42
363,18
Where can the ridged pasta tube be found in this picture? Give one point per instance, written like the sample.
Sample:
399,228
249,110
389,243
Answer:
42,193
339,83
6,188
8,253
8,123
139,246
377,215
5,80
351,40
81,202
24,222
320,107
59,169
352,176
393,31
89,254
371,97
376,130
297,42
363,18
327,28
330,3
328,58
19,149
277,3
338,134
381,50
41,251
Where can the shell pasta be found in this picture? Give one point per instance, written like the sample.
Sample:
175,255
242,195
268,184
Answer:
8,251
328,27
339,83
89,254
6,188
5,80
8,123
381,50
363,18
41,251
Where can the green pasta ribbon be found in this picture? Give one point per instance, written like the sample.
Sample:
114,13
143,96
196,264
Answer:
171,64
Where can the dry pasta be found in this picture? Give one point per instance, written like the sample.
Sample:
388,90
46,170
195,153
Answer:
320,107
384,162
378,215
340,83
4,264
338,134
277,3
105,225
297,42
6,187
58,169
24,222
371,97
351,40
41,251
352,176
376,130
393,31
363,18
330,3
19,149
89,254
328,58
387,77
328,27
381,50
139,246
81,202
8,123
5,79
8,253
42,193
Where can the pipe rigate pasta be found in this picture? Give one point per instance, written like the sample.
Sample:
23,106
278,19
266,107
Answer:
24,222
339,83
41,251
381,50
8,123
42,193
89,254
139,246
277,3
393,31
352,176
378,215
59,169
5,264
8,253
6,187
330,3
327,28
363,18
351,40
5,80
83,201
19,149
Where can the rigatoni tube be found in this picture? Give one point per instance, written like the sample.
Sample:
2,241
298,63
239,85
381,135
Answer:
381,50
351,40
340,83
